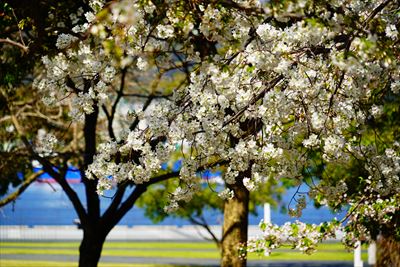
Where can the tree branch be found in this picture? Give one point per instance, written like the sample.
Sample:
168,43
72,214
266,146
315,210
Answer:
271,85
13,196
49,168
115,202
112,217
205,225
92,198
111,116
13,43
376,11
147,96
145,106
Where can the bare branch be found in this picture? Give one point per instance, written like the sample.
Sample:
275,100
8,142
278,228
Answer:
203,223
13,196
13,43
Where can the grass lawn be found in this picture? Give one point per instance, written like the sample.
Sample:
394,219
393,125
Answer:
113,244
194,250
20,263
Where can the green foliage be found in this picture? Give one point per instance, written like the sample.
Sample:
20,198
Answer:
31,25
205,200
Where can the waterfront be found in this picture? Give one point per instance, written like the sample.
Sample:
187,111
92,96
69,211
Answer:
46,204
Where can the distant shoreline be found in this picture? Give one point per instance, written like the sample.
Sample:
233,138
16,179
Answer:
42,204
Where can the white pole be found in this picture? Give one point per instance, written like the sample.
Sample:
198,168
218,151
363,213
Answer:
267,213
357,255
267,217
372,253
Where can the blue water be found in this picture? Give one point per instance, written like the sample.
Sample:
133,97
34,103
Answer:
47,204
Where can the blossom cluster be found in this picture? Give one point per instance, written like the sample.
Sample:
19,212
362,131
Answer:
297,235
78,77
269,92
46,143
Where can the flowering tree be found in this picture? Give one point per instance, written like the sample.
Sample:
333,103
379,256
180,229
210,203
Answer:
272,91
283,89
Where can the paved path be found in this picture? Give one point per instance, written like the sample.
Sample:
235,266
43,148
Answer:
180,261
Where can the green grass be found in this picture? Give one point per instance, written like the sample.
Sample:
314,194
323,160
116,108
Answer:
39,244
121,252
194,250
276,255
139,245
24,263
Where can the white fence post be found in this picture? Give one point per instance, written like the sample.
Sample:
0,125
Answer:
267,213
357,255
372,253
267,217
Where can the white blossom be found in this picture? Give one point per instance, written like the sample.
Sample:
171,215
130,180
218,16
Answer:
165,31
226,194
65,40
392,32
312,141
142,64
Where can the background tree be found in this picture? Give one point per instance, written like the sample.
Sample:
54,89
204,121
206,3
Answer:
204,203
382,128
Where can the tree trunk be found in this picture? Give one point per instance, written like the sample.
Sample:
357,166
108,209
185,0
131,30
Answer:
90,248
234,231
388,252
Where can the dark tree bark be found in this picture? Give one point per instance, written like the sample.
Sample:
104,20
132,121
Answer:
234,231
91,245
93,234
95,225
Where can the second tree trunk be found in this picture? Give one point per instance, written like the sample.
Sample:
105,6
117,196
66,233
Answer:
234,231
